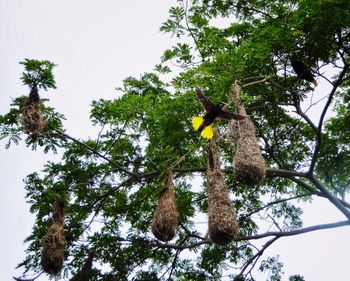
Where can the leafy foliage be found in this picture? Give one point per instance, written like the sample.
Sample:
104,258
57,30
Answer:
38,74
110,183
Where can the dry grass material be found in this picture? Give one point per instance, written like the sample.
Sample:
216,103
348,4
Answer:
249,165
52,255
31,119
165,218
223,226
31,114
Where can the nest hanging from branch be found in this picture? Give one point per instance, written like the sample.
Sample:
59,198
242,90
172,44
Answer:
165,218
249,165
223,226
31,114
52,255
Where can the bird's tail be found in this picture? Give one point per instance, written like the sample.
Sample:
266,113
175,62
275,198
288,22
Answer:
207,131
314,82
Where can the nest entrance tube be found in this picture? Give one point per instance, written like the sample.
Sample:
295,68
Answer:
31,114
249,165
52,255
223,226
165,218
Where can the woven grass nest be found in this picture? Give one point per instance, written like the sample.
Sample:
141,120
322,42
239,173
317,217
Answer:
52,255
31,118
249,165
165,218
53,243
223,226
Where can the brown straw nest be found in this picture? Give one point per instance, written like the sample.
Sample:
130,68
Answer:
165,218
31,118
52,255
249,165
223,226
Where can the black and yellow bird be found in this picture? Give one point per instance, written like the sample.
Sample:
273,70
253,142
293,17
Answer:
303,71
214,111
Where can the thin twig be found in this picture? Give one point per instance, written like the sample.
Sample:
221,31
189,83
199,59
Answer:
64,135
271,204
256,82
257,255
323,114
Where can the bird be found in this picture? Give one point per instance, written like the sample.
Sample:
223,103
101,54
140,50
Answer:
214,111
303,71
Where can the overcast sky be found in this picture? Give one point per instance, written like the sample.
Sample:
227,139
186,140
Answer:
96,44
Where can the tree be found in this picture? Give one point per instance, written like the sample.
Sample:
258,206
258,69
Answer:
105,189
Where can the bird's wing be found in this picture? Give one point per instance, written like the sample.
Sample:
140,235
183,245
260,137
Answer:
229,115
302,70
207,104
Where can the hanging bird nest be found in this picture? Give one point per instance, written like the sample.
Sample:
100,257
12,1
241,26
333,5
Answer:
52,255
249,165
165,218
31,114
223,226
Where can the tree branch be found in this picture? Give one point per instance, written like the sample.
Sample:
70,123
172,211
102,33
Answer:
256,82
336,202
271,204
257,256
315,191
277,234
185,7
323,114
180,247
271,173
32,279
294,232
64,135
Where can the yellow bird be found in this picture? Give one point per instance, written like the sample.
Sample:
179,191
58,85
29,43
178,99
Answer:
214,111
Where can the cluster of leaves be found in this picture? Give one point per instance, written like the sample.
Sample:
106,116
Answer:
38,74
110,184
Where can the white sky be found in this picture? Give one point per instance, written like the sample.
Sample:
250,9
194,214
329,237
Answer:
96,44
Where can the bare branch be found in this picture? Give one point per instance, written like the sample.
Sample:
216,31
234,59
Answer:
323,114
191,234
336,202
256,82
185,7
257,255
271,204
173,265
32,279
277,234
306,118
64,135
180,247
270,172
295,232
